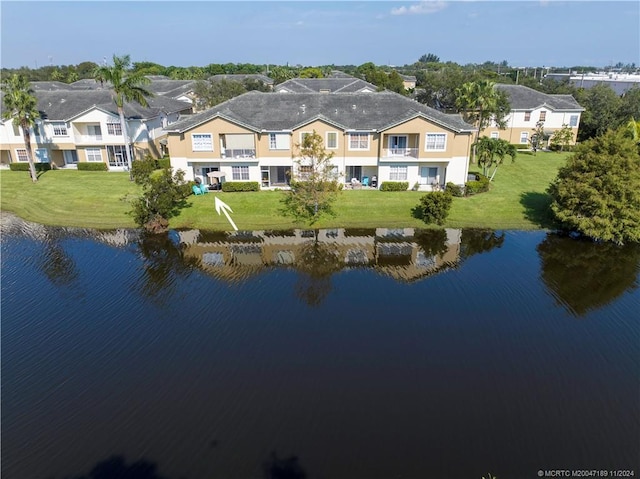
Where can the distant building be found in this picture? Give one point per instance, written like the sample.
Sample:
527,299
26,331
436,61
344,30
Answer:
618,82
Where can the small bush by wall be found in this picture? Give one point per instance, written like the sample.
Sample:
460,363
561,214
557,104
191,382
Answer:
394,186
455,190
434,207
522,146
87,166
479,186
25,166
164,162
231,186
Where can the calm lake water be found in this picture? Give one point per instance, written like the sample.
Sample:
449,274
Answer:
318,354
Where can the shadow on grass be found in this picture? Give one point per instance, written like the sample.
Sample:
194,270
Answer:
538,209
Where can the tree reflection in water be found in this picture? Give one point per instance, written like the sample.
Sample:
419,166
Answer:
163,264
55,263
316,263
583,276
476,241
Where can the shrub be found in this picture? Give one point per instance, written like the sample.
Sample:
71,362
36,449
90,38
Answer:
434,207
25,166
164,162
231,186
522,146
394,186
86,166
455,190
478,186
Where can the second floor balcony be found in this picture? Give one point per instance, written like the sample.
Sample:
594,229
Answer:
400,153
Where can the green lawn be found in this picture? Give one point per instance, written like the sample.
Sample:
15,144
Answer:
517,200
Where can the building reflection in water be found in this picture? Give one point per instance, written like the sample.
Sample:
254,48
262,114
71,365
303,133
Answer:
402,254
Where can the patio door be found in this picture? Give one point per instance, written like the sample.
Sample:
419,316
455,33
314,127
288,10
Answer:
208,169
70,157
354,172
398,144
428,175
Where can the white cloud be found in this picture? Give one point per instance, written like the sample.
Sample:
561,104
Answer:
422,8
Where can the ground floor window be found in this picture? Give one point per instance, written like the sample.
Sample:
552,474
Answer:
21,154
42,155
524,137
428,175
398,173
240,173
93,154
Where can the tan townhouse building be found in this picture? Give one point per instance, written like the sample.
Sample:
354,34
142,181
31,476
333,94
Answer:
254,137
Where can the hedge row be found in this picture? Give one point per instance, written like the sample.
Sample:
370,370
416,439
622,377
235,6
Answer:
86,166
231,186
394,186
25,166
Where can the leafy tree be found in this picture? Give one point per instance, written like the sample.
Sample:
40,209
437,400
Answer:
311,73
629,106
429,58
601,105
598,192
562,138
281,74
213,92
492,152
163,195
438,88
481,103
20,106
72,76
538,138
57,75
126,85
314,182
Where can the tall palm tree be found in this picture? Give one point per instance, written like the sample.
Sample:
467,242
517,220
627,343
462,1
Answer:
480,103
126,85
20,105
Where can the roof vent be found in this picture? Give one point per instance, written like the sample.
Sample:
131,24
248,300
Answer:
303,107
353,107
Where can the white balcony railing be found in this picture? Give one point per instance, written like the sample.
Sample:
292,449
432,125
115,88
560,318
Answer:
88,138
242,153
400,152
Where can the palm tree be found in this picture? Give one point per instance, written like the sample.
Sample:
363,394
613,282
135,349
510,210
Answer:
481,103
126,85
20,105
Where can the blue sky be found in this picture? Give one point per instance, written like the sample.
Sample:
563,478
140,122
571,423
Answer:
525,33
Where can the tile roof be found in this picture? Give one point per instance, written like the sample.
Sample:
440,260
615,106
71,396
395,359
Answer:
259,111
332,84
525,98
64,105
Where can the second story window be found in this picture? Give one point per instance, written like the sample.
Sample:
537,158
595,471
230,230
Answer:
543,115
279,141
114,129
573,120
436,142
60,129
202,141
332,140
527,116
358,141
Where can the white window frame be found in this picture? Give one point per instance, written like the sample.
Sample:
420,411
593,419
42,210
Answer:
90,154
543,116
527,116
495,135
114,128
398,173
524,137
240,173
573,121
21,155
277,140
59,128
200,145
436,143
359,136
326,140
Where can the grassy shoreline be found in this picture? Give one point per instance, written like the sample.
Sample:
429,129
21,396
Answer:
517,200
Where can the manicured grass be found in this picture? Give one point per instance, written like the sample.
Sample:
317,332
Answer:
517,200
